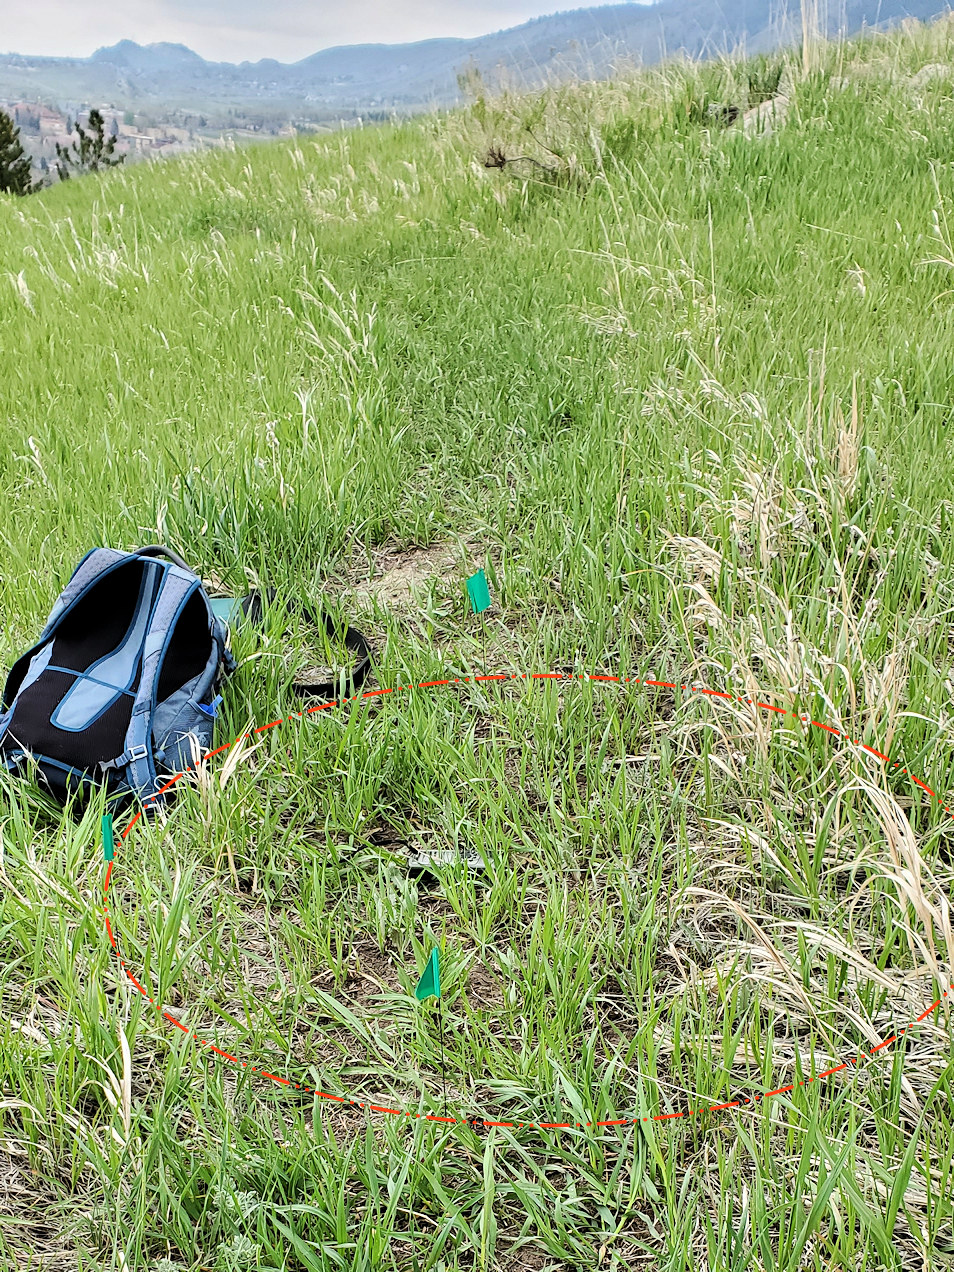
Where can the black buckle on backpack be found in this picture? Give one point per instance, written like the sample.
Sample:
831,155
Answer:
133,753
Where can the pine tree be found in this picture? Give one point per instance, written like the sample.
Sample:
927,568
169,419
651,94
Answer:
92,152
14,161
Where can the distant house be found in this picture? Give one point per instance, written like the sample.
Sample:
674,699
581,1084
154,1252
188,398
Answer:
138,141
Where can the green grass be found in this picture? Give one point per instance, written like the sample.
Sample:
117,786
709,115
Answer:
686,398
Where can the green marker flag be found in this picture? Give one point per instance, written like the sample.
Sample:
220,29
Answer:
478,591
479,594
108,842
430,982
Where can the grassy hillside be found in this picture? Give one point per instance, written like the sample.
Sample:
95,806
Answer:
685,394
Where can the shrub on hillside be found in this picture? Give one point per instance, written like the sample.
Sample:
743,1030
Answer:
93,151
14,161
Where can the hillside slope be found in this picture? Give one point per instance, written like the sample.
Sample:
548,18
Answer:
685,394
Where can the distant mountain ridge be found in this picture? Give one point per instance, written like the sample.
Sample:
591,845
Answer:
149,58
587,41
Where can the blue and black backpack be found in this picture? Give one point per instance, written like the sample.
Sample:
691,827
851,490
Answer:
126,672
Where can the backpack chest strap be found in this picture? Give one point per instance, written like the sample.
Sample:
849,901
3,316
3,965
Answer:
131,753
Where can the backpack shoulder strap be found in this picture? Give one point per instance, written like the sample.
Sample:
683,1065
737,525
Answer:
355,642
218,627
94,563
175,588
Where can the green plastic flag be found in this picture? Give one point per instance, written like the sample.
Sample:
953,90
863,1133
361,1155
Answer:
430,982
478,591
108,843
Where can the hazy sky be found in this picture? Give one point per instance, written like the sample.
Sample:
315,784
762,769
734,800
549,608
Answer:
236,30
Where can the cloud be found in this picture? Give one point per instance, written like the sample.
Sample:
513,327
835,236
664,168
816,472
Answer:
240,30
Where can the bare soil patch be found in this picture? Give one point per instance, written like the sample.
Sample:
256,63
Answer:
398,574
